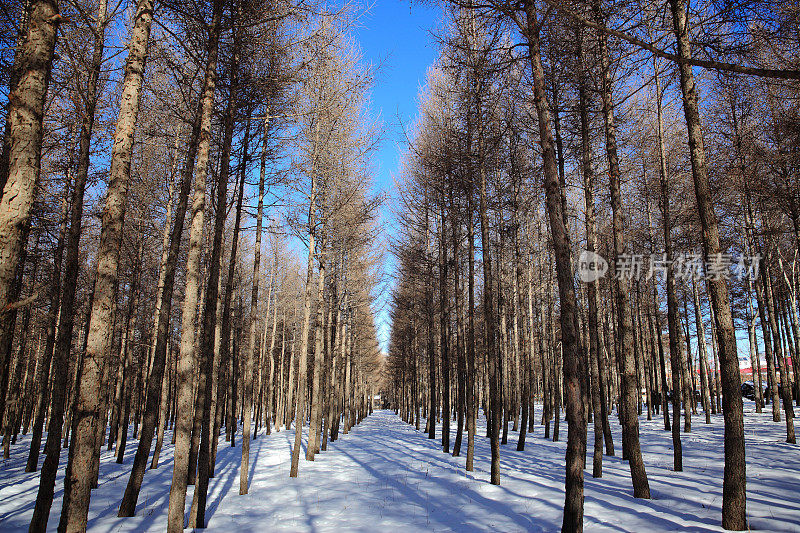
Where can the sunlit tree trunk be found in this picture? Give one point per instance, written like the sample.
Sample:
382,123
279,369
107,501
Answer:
204,406
43,388
101,324
672,298
225,376
32,64
187,355
302,369
315,421
162,273
734,497
598,395
152,400
576,439
702,355
252,330
629,419
777,343
444,318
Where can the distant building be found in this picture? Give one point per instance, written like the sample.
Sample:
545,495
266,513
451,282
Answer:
747,372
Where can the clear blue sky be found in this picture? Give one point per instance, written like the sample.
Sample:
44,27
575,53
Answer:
395,35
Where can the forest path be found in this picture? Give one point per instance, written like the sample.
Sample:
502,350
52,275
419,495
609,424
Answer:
386,476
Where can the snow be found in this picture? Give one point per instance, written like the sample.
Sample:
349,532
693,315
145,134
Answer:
384,475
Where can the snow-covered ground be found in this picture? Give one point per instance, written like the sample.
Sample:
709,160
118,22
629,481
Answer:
386,476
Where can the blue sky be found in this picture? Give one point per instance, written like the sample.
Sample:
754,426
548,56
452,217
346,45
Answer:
395,35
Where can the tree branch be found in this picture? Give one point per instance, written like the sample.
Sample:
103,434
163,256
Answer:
704,63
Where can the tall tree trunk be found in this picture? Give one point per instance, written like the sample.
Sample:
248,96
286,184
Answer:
751,318
755,359
522,361
576,438
274,373
429,333
471,403
73,514
734,496
162,274
128,364
777,343
461,363
661,360
302,368
629,418
702,355
204,405
598,396
32,64
106,277
492,348
315,423
187,356
43,373
253,326
444,318
672,298
768,351
152,399
686,371
225,354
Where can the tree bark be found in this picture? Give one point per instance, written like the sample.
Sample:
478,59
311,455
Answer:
162,274
598,396
72,511
672,298
152,398
302,368
315,422
204,405
471,403
785,387
107,272
33,62
629,418
444,318
702,354
734,496
187,355
253,323
576,438
43,372
225,355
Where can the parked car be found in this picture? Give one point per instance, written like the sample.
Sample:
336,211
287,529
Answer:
748,390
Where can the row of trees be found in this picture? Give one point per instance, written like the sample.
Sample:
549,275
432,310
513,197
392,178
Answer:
251,117
552,131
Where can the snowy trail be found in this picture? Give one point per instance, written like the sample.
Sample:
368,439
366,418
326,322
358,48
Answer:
384,475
